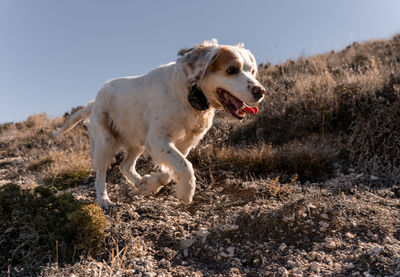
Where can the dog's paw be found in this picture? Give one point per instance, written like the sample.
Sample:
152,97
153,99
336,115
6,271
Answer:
185,199
105,203
185,192
152,183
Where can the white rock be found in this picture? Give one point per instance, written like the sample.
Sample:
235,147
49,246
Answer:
311,255
387,240
330,243
350,235
314,266
219,189
320,256
311,206
282,247
283,271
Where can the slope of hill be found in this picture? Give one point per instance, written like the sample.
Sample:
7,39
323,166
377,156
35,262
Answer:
309,187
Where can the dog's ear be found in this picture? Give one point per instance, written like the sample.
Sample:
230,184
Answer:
196,61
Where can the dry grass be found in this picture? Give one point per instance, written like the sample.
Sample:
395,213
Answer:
62,169
352,95
311,160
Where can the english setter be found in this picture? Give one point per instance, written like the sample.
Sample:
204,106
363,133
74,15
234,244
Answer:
165,113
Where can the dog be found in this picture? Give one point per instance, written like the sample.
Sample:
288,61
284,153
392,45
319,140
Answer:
165,114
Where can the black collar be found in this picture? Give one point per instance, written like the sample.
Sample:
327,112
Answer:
197,99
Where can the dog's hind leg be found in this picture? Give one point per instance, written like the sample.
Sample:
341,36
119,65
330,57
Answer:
104,148
127,166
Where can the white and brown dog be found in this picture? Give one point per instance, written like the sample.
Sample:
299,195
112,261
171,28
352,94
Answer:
166,112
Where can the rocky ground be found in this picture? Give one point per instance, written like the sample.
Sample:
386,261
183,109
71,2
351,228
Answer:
348,225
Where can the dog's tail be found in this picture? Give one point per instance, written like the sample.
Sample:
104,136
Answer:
77,117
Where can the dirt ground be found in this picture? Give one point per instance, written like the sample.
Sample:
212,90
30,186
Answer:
347,225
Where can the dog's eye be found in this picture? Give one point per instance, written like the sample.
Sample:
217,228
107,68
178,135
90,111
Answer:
232,70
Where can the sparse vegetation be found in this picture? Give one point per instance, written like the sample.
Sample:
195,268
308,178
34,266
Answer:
39,226
309,186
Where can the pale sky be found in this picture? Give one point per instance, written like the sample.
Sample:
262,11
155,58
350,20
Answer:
57,54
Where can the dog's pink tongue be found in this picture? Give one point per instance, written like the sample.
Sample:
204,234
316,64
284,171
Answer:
252,110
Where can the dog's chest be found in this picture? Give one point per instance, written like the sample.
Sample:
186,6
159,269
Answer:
198,125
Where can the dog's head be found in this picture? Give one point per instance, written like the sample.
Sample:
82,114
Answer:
226,75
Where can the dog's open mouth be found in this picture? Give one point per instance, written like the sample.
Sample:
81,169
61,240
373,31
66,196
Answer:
234,105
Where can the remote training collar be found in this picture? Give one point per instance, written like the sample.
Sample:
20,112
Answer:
197,99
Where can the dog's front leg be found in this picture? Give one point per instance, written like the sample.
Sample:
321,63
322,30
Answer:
164,152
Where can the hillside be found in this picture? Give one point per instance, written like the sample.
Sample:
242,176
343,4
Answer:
309,187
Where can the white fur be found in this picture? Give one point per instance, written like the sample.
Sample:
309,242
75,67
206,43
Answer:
151,113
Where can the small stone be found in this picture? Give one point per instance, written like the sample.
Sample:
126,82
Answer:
230,250
311,206
376,250
291,263
373,178
351,266
219,189
387,240
282,247
296,274
311,255
185,252
202,232
223,254
324,216
330,243
283,271
187,243
320,256
291,218
350,235
324,226
367,274
314,266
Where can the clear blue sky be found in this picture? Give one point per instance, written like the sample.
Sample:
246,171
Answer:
56,54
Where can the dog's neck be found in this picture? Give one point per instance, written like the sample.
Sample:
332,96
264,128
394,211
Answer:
193,94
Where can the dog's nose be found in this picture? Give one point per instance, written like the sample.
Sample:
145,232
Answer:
258,92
